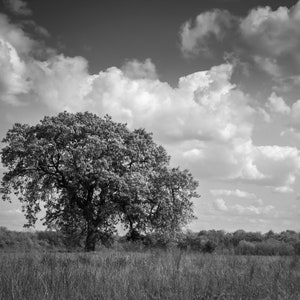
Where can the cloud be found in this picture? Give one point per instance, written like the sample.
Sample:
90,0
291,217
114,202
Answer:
220,204
272,33
279,164
252,210
16,58
273,37
38,29
293,126
13,79
195,36
265,116
236,193
295,114
269,65
18,7
206,122
15,36
135,69
237,209
277,104
62,83
267,39
174,113
284,189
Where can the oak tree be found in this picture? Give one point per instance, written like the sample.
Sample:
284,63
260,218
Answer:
94,173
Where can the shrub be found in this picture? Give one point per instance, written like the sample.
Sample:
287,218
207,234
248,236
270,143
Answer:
246,248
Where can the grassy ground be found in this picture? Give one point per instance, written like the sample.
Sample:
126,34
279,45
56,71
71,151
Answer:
151,275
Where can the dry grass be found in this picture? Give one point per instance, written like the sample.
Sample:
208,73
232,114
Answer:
151,275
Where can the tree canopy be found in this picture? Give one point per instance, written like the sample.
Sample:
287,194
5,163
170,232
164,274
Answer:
94,173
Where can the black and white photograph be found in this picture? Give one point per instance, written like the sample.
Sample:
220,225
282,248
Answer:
150,149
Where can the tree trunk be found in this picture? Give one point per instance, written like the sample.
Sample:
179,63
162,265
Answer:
91,239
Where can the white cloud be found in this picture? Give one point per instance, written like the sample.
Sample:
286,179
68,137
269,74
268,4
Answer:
236,193
195,35
279,164
284,189
237,209
293,127
173,114
135,69
220,204
272,33
265,116
15,48
252,210
62,83
18,7
277,104
273,38
15,36
13,79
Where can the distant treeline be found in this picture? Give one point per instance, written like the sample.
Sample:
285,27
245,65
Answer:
207,241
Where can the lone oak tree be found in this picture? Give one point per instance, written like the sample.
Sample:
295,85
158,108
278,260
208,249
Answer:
95,173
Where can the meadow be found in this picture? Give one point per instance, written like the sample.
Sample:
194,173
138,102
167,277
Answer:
156,274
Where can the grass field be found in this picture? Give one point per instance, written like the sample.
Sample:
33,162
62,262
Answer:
149,275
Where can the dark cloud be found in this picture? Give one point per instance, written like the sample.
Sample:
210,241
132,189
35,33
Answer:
18,7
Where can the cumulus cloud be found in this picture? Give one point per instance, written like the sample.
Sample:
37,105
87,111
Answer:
13,74
15,36
278,164
277,104
196,35
272,33
274,37
16,50
64,83
293,113
220,204
268,38
18,7
293,126
61,82
135,69
264,115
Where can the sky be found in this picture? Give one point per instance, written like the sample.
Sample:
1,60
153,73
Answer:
217,82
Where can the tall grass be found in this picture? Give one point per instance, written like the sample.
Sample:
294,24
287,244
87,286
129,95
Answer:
149,275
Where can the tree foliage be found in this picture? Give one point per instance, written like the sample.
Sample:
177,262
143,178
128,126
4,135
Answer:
93,173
